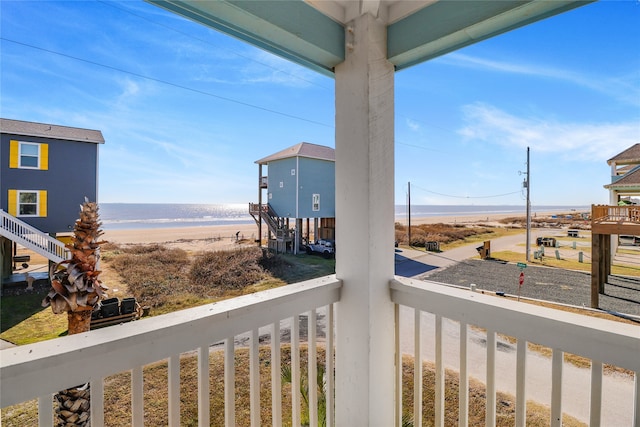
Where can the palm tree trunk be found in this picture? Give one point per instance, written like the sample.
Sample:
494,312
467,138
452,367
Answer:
79,321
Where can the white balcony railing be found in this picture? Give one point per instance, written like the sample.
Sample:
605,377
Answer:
459,317
41,369
449,317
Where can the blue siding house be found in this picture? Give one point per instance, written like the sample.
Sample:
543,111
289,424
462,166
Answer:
45,174
300,186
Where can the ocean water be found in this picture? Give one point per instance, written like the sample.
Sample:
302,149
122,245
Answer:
119,216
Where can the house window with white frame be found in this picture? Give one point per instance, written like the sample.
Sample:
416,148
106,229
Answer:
28,203
29,155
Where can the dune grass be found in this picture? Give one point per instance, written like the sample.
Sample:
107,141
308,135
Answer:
450,236
165,280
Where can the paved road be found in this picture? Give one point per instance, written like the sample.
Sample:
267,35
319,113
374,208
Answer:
454,267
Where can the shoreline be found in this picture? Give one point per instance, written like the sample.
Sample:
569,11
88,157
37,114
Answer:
225,235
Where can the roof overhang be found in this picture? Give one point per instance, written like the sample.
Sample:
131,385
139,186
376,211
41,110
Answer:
312,32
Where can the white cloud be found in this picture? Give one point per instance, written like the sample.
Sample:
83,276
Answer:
413,125
595,142
268,68
623,88
129,89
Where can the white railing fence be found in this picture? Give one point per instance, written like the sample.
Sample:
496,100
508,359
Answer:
462,322
30,237
454,315
41,369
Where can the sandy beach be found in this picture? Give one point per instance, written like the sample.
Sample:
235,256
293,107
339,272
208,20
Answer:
189,238
212,237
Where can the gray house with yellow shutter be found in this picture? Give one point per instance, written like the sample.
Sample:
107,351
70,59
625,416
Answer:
45,174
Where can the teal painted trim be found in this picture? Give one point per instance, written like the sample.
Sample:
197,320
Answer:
291,29
447,26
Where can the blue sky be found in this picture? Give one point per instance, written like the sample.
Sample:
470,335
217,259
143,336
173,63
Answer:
185,110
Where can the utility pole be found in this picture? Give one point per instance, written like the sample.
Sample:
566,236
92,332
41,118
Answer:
527,184
409,209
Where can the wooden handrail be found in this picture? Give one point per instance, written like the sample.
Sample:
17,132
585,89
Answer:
604,213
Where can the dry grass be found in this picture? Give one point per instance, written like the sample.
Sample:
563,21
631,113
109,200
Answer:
578,361
171,279
561,220
568,264
537,415
450,236
117,390
441,233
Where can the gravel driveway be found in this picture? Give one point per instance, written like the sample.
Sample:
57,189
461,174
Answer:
622,294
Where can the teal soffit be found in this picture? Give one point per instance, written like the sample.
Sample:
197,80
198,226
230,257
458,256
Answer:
446,26
295,30
291,29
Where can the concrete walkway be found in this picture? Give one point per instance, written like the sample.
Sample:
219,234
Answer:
406,259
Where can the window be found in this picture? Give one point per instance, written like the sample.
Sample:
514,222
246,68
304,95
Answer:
315,202
293,172
27,203
28,155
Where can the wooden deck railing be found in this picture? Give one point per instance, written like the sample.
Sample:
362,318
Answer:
604,213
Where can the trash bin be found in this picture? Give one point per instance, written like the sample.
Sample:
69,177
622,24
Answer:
128,305
110,307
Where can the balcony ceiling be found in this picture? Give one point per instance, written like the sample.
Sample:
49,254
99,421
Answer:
312,32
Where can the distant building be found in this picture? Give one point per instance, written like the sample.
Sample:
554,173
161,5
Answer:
300,186
46,172
625,175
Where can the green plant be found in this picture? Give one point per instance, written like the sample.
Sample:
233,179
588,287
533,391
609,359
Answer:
287,378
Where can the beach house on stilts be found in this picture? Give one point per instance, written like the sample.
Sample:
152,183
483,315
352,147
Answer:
620,218
300,186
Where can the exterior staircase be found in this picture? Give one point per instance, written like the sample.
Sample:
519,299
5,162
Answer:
277,225
31,238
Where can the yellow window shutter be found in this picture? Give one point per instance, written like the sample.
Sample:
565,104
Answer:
13,202
44,157
42,203
14,149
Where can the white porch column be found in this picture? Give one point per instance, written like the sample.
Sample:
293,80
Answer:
365,228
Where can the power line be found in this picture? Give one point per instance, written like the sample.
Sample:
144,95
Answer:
110,4
201,92
466,197
421,147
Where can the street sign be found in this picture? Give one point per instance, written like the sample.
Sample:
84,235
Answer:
521,265
521,280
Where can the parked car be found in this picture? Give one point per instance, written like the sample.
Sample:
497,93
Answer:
326,248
